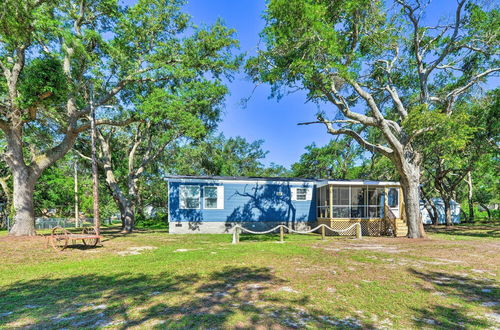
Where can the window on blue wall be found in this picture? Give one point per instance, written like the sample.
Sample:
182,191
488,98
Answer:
189,197
301,194
210,194
213,197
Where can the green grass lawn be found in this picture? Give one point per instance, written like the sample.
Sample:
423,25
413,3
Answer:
151,279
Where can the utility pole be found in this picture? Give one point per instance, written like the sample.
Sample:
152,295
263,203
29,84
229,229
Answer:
77,214
97,221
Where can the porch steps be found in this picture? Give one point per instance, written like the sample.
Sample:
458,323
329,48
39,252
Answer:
401,228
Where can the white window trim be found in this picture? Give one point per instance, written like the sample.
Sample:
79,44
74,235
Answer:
308,194
297,194
180,197
220,198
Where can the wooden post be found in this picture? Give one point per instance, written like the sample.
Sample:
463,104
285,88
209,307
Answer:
282,234
323,232
402,214
236,235
77,213
331,201
95,178
358,231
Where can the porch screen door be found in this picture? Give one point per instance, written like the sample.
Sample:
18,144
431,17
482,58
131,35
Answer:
393,201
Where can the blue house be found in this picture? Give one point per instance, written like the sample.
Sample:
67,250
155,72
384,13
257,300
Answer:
201,204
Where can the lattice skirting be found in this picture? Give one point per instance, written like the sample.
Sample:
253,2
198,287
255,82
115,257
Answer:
368,227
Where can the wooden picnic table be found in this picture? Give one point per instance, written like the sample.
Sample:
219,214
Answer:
60,237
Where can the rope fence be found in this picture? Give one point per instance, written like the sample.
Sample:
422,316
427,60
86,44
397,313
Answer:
237,230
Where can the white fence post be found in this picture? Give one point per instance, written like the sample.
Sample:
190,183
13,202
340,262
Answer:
236,234
238,229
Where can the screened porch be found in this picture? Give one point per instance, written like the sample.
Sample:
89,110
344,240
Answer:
355,201
375,206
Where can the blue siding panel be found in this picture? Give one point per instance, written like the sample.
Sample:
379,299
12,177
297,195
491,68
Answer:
263,202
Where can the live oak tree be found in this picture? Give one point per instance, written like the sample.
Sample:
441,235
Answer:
481,182
449,151
187,111
187,105
336,160
378,64
55,190
486,184
457,146
218,155
50,53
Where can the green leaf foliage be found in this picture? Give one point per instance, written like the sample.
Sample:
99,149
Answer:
43,83
218,155
336,160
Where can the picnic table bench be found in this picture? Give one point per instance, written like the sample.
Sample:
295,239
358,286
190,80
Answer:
60,237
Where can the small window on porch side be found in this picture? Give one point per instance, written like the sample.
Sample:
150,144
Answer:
393,198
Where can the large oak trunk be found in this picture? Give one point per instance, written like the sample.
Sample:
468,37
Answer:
125,203
412,209
410,182
128,218
24,215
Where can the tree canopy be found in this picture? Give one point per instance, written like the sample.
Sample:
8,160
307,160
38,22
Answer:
57,55
382,68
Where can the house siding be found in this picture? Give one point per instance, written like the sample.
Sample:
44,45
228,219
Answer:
257,205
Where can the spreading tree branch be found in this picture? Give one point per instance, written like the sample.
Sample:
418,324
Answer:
365,144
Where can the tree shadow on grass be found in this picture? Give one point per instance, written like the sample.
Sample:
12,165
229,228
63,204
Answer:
112,232
275,237
464,288
260,238
467,231
162,300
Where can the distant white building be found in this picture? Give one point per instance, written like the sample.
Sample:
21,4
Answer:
438,202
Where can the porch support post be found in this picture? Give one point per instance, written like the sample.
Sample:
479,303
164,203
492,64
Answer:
401,205
386,205
331,201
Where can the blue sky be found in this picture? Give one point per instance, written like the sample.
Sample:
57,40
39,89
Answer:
271,120
262,118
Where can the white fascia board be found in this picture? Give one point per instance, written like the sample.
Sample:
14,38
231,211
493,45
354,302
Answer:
358,183
213,181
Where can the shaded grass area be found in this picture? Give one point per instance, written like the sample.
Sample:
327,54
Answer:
465,232
150,279
459,288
